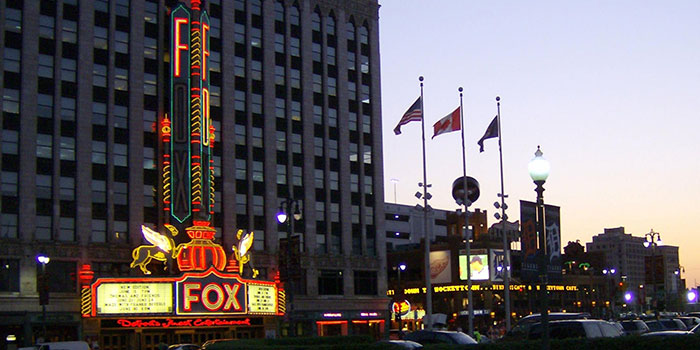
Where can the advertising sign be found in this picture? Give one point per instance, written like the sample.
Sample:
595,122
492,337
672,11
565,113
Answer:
479,265
262,299
207,293
496,264
553,235
134,298
528,241
440,267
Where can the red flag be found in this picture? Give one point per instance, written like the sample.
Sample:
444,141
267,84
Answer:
449,123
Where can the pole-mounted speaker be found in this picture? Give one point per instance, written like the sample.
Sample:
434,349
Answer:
472,190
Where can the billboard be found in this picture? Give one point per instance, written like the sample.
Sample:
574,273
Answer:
440,267
528,241
496,264
478,263
553,235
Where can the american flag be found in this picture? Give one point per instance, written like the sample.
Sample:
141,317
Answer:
414,113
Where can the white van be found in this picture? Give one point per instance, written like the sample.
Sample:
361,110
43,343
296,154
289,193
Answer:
60,345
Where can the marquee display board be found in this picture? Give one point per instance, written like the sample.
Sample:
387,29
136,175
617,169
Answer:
200,294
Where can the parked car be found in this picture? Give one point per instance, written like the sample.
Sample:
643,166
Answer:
401,344
439,337
666,324
666,334
183,347
219,344
60,345
575,329
520,330
634,327
690,321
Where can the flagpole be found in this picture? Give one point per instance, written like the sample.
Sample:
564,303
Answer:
427,319
506,246
470,306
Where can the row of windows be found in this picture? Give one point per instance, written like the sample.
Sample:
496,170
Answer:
62,277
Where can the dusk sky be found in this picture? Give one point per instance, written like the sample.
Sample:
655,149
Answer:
610,90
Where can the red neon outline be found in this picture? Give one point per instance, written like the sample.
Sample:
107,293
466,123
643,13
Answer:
205,50
205,297
177,281
178,46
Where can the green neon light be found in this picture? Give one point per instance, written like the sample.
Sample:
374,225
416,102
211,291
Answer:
179,8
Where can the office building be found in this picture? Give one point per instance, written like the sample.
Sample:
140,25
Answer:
294,101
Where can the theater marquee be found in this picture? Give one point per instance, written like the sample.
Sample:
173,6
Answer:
207,293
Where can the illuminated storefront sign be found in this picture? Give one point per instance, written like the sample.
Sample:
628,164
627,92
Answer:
208,293
134,298
175,323
261,299
485,288
332,315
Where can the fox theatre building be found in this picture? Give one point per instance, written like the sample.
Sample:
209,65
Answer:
199,292
141,313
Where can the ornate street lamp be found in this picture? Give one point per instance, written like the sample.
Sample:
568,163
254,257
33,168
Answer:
610,274
539,171
289,206
651,240
43,287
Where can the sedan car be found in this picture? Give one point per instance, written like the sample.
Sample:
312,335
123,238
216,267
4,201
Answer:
183,347
439,337
401,344
634,327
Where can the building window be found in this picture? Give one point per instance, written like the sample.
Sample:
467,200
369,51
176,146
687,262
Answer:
99,152
9,275
66,231
365,282
99,231
13,19
43,227
45,66
44,145
61,275
70,31
10,102
43,186
330,282
10,140
9,225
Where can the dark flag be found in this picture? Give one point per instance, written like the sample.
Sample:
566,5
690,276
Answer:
414,113
491,131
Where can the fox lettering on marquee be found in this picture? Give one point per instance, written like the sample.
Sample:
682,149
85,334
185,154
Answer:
213,296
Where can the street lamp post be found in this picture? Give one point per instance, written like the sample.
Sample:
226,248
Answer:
43,290
401,267
289,206
652,239
610,275
539,171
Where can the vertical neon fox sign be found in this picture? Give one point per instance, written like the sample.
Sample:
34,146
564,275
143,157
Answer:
187,163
